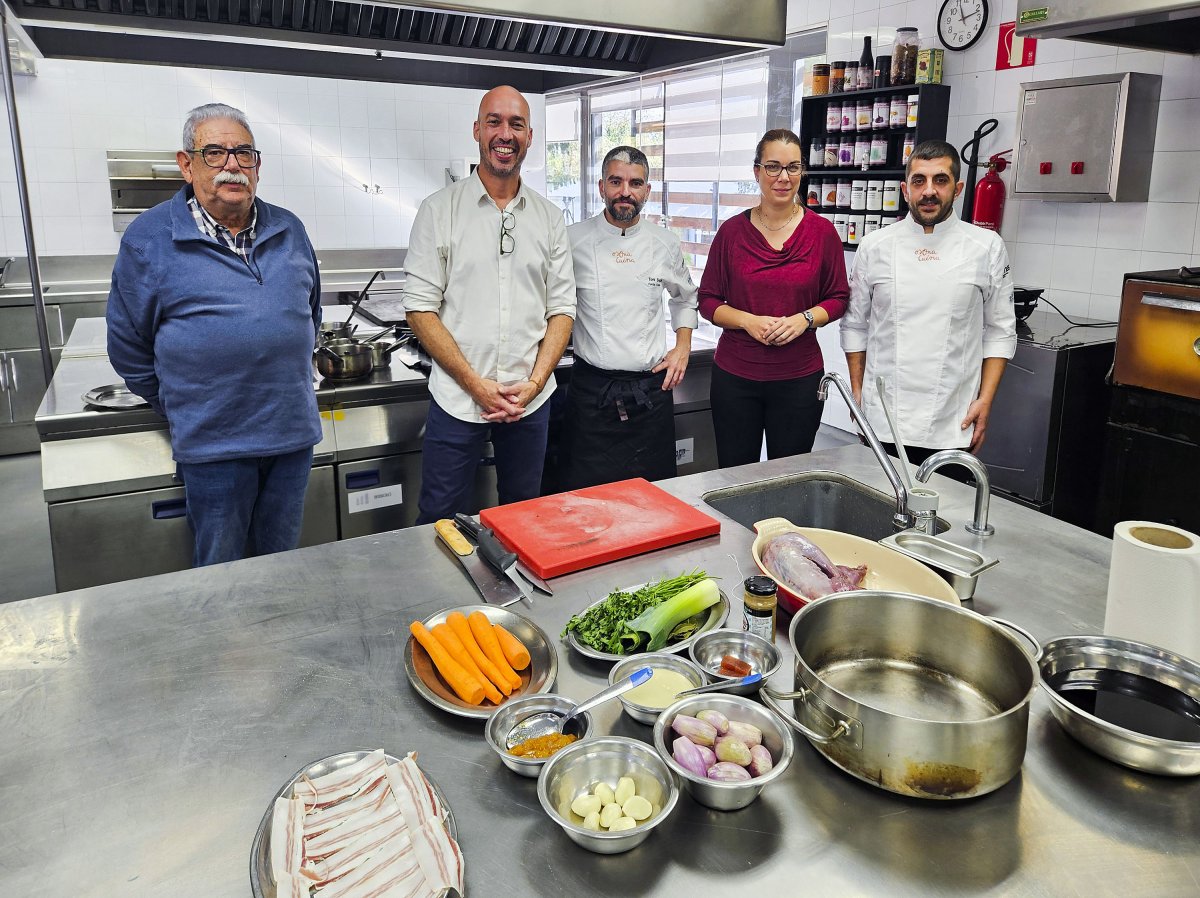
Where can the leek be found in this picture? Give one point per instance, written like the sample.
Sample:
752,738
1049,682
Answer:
652,628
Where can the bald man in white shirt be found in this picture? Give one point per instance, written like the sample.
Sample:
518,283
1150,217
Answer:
490,295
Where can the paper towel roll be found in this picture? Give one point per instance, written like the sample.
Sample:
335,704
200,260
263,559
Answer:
1154,587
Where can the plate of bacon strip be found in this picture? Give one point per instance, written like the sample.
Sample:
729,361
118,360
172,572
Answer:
355,824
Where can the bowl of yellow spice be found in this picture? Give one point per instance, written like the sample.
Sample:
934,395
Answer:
671,674
527,757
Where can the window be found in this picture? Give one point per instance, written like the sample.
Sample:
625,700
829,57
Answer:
562,155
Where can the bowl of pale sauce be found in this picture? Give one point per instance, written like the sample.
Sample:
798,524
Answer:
671,675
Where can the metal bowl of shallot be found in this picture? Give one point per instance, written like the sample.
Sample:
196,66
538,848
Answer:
725,748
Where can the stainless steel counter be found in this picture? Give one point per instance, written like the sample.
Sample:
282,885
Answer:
148,723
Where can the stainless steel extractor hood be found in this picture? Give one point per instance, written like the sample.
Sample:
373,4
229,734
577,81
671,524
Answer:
1168,25
535,45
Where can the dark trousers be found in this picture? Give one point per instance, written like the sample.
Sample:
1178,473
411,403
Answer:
619,424
788,411
451,452
918,454
246,506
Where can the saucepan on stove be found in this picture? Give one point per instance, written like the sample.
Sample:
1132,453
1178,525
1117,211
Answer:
344,361
913,695
334,330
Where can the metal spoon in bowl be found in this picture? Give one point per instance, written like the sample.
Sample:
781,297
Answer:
545,723
748,680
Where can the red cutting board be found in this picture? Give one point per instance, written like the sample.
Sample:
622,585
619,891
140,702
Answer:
568,532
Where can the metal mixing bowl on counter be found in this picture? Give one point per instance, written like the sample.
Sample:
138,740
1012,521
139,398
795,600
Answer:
643,713
512,712
718,794
761,654
579,767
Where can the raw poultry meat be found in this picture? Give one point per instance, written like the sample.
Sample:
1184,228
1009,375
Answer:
800,565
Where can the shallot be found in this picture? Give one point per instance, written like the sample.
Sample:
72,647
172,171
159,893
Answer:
728,772
698,731
718,720
730,748
687,755
746,732
761,761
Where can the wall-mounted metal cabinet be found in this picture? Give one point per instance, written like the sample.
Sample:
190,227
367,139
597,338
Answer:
1087,139
139,180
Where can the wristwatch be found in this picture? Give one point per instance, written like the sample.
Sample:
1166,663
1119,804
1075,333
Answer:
808,316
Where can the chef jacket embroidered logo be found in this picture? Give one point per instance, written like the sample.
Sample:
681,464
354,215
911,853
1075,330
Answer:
654,282
620,257
928,255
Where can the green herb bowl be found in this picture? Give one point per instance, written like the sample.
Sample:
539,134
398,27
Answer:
659,661
709,619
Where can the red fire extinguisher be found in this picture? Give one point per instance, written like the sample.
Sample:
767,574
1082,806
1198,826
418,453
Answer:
989,195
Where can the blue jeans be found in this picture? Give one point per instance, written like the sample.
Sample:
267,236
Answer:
451,452
245,507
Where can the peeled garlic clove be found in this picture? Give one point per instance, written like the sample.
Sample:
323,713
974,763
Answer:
592,822
637,807
611,812
625,790
604,792
622,823
586,804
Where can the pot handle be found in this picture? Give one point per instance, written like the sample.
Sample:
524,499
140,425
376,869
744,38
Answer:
771,699
1036,654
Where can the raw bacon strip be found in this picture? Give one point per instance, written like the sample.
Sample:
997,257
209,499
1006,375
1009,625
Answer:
352,827
413,792
321,819
333,787
288,886
341,862
439,856
287,836
394,871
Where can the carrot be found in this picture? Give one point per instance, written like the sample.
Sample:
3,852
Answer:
466,686
486,637
450,641
514,650
458,623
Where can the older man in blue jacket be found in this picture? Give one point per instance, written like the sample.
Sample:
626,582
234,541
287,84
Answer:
212,316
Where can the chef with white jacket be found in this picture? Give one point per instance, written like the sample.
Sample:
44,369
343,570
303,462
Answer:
931,310
620,416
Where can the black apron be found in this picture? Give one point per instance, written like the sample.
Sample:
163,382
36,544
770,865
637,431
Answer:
620,424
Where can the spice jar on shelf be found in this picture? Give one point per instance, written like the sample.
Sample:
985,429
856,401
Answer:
904,56
837,76
820,79
912,113
816,152
850,82
833,117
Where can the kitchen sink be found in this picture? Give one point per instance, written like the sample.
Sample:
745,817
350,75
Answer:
823,499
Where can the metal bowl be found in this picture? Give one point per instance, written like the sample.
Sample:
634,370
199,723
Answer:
513,712
723,796
1087,655
659,660
581,765
762,655
708,619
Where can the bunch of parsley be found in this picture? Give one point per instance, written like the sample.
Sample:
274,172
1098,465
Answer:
604,627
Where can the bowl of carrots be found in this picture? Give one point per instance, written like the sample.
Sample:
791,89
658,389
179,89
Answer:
471,660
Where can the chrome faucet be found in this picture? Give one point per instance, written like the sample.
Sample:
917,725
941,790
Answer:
902,518
983,489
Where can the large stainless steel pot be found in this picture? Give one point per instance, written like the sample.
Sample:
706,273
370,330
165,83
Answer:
910,694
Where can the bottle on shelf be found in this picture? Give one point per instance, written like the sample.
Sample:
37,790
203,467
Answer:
904,56
862,151
883,71
831,150
862,115
866,65
910,143
837,76
879,147
891,196
880,112
833,117
851,80
874,196
912,111
820,79
816,152
897,112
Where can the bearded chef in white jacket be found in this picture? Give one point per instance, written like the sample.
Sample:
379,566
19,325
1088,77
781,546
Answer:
931,309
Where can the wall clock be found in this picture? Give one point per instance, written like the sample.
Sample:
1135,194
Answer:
961,23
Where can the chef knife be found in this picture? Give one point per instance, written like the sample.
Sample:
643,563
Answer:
485,536
494,588
493,553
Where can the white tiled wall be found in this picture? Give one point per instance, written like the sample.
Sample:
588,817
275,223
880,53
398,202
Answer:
1079,251
322,139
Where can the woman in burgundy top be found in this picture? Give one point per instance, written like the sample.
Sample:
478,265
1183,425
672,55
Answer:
774,275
